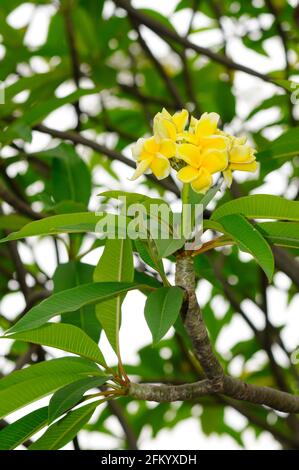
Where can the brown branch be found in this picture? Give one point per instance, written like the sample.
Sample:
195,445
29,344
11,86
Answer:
170,34
170,393
231,387
286,263
194,324
18,204
170,86
154,100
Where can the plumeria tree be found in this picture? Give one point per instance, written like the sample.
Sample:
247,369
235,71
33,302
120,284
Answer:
198,237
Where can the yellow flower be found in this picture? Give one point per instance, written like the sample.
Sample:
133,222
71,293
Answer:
152,156
203,128
167,126
202,163
241,157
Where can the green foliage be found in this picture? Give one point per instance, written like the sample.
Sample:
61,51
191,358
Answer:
72,274
62,336
22,429
106,80
162,309
60,433
260,206
250,239
69,301
69,396
115,264
27,385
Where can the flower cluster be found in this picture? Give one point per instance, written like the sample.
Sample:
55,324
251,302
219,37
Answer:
201,151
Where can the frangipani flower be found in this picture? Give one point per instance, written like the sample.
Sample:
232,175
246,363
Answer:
152,156
202,163
167,126
241,157
196,154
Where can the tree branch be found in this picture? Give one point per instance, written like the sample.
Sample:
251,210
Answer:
170,34
216,382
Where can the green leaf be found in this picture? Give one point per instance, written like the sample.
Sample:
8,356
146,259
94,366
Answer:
70,176
27,385
250,239
285,146
18,432
60,433
281,233
84,221
12,221
133,198
115,264
167,247
36,114
63,336
162,309
72,274
69,301
69,396
260,206
148,252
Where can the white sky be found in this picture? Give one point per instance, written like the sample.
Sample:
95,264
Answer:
134,333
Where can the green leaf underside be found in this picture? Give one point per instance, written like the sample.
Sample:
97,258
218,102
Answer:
69,301
148,252
70,395
64,430
260,206
63,336
162,309
250,239
115,264
32,383
18,432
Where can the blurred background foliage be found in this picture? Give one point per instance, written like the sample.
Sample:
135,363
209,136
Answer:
79,89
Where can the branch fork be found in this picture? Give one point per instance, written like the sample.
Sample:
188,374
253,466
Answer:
216,381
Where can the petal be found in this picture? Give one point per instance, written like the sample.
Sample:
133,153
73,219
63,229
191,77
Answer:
142,167
190,154
188,174
165,113
215,160
207,124
241,154
160,166
219,142
193,123
151,145
203,182
252,167
145,156
137,148
180,120
164,128
167,148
